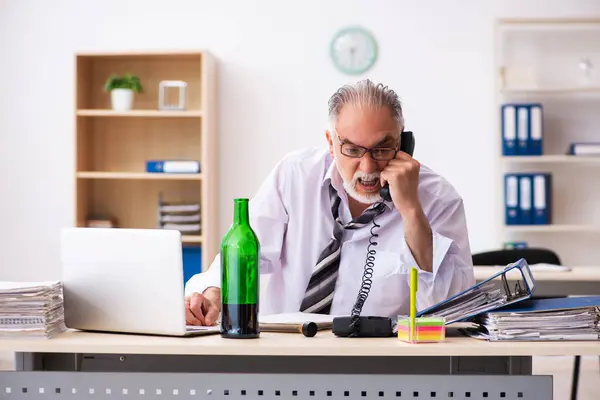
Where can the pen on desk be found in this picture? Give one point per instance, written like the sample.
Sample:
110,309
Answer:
413,301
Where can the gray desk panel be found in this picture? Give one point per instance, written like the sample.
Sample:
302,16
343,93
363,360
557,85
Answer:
154,385
488,365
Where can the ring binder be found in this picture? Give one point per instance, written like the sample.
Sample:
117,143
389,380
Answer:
486,296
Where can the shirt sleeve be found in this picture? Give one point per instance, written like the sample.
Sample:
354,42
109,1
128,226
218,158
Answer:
268,219
452,270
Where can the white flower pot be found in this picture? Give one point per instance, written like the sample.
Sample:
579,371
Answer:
121,99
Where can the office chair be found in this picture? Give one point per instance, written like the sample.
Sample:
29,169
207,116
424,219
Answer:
533,256
506,256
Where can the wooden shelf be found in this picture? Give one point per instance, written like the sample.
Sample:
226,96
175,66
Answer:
553,91
141,113
113,147
549,25
556,158
553,228
137,175
191,238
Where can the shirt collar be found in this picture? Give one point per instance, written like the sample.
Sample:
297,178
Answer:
332,175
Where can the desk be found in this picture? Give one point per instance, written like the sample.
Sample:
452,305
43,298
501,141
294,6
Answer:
277,366
579,281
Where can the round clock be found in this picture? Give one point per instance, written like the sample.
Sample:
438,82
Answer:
353,50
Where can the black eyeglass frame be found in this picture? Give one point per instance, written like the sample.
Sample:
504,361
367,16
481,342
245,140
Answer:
366,150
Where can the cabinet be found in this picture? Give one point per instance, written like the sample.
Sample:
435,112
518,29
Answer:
112,147
555,64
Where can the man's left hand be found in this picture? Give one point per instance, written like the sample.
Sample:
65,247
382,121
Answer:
402,173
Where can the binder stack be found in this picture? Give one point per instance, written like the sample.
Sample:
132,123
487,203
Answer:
182,216
522,129
570,318
528,198
32,309
486,296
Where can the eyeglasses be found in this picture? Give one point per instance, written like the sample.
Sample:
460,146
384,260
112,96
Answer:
356,151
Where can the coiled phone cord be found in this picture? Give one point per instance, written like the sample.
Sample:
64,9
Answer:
367,276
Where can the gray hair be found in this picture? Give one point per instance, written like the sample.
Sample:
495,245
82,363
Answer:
365,93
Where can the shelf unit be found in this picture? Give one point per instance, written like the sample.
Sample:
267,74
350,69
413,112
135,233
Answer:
537,61
112,147
551,159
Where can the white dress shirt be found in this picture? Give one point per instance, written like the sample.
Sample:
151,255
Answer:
291,215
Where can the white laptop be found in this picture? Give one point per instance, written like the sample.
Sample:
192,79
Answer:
125,280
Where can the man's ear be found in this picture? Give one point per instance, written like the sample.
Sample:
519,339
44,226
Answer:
330,142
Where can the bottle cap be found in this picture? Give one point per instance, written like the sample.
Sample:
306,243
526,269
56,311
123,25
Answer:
309,329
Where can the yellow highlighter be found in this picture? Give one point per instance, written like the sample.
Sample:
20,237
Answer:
413,302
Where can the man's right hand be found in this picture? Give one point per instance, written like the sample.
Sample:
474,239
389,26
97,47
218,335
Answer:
203,309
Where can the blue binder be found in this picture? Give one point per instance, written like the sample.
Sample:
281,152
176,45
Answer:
173,166
511,199
542,199
525,199
536,129
523,130
583,148
509,129
522,290
552,304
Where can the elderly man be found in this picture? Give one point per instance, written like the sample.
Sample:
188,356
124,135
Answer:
317,264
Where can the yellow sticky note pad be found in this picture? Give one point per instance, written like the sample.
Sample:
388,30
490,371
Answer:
427,329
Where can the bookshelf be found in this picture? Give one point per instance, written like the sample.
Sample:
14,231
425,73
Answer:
112,147
539,61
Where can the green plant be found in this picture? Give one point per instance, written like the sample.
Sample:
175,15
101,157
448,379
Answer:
127,81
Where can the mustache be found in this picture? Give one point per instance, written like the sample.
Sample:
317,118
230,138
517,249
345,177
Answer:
364,176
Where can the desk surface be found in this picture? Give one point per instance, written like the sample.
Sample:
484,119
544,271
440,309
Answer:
577,274
289,344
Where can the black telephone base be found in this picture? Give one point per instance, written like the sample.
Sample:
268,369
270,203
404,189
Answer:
367,327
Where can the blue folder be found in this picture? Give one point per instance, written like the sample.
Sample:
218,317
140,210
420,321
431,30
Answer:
512,211
536,129
517,292
523,130
525,199
508,120
552,304
542,199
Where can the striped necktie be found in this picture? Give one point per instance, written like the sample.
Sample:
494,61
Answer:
319,293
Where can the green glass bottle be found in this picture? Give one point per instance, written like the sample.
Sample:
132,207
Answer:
240,257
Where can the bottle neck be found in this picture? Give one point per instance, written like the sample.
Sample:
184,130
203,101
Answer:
240,212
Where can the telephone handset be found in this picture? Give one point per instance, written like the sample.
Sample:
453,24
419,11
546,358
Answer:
407,145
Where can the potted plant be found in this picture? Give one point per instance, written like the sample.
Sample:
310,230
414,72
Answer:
122,89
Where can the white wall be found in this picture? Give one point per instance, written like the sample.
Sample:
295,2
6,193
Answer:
275,80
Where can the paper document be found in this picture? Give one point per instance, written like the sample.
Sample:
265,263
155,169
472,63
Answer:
542,319
31,309
198,328
295,318
481,298
27,287
549,268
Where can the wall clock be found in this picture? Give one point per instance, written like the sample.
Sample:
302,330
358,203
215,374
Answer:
353,50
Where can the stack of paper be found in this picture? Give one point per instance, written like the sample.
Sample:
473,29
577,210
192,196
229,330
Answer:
32,309
543,319
481,298
550,325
